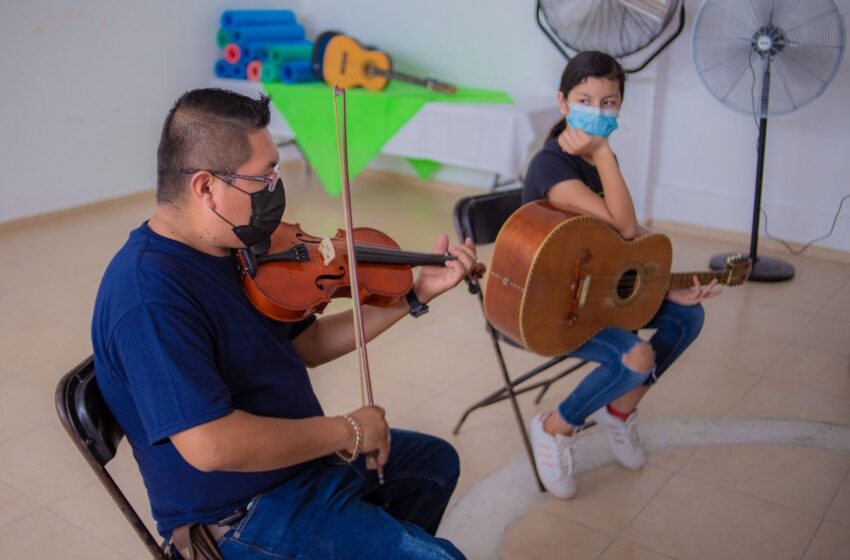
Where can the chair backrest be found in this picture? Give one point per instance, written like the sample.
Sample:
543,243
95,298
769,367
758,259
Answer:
481,217
96,433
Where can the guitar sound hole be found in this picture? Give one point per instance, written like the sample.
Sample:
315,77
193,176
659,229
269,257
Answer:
628,284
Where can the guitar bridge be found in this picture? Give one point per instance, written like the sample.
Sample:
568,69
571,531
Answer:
584,286
579,288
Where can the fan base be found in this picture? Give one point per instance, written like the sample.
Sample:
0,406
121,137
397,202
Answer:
765,269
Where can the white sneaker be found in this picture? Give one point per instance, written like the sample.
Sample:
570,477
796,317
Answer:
622,437
554,459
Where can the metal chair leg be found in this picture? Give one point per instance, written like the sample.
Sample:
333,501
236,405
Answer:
517,413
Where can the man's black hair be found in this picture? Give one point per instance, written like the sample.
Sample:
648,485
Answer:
206,129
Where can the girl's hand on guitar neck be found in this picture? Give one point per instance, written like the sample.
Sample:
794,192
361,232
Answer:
694,295
579,143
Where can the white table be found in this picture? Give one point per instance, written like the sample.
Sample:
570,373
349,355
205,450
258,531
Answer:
490,137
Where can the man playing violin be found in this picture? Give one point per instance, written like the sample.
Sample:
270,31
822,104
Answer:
215,398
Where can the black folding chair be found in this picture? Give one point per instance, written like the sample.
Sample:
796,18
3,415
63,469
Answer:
480,218
94,430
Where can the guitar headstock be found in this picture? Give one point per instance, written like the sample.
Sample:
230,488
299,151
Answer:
738,268
437,85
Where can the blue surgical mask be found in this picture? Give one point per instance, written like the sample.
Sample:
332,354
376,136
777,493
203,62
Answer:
593,120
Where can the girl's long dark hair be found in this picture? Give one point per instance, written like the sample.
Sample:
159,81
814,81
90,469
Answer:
588,64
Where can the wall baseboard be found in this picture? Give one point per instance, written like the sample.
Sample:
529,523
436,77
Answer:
16,223
743,240
728,236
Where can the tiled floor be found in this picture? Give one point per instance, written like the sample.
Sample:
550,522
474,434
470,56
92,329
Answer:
767,351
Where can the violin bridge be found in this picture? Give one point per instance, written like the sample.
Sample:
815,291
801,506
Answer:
326,249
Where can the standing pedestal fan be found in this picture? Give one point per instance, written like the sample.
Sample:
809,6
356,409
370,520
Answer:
766,58
617,27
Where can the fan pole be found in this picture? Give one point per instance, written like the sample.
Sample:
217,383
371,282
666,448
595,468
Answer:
765,269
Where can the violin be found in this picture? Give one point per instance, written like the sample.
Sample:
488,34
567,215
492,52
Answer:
301,273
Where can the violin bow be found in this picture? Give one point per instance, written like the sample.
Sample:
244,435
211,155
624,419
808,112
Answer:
359,330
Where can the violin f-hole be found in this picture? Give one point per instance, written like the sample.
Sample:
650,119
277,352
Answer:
331,277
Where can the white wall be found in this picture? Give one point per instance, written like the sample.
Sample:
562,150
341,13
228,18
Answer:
705,172
75,129
86,85
687,157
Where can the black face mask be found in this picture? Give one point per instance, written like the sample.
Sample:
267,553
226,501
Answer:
266,211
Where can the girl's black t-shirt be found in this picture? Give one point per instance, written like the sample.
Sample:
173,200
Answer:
552,165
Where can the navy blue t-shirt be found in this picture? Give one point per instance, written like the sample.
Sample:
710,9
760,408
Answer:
177,344
552,165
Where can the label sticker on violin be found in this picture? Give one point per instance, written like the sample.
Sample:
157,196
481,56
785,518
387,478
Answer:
326,249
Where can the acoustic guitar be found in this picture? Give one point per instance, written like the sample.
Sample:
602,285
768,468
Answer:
556,278
347,64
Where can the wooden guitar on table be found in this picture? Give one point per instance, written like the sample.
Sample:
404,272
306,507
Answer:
556,278
348,64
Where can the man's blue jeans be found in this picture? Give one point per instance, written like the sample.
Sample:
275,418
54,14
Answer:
336,510
678,326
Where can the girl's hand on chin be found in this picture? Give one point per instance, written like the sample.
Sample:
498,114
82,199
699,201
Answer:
579,143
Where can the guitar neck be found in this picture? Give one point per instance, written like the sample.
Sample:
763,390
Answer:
680,280
425,82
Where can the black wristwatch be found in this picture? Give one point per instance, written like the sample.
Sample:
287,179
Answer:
417,308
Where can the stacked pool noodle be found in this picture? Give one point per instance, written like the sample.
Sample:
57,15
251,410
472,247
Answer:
263,45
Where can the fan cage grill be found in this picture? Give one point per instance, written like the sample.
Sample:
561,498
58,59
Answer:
617,27
799,42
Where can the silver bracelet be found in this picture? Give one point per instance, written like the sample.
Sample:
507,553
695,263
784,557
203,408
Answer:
358,441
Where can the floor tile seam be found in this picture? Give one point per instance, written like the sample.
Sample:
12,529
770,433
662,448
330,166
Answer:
619,534
673,474
728,413
817,518
22,515
84,532
50,501
835,497
28,380
604,550
520,397
816,349
486,366
812,539
795,336
746,493
21,435
25,381
585,526
477,364
418,385
76,326
826,304
646,546
36,426
808,387
780,354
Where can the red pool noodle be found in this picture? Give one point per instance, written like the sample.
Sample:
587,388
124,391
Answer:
255,69
232,53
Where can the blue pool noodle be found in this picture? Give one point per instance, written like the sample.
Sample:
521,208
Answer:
240,18
261,50
249,52
268,34
297,72
238,71
221,69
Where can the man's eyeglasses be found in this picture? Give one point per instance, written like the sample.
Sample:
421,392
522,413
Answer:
269,180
